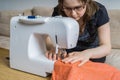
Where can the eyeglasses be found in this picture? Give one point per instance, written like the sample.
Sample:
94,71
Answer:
77,8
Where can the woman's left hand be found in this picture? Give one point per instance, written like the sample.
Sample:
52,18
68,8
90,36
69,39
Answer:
77,56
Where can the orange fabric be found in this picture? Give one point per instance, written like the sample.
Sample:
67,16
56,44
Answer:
88,71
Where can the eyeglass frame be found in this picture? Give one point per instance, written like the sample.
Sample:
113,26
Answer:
76,9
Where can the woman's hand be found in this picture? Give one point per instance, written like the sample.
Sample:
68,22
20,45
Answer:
77,56
56,56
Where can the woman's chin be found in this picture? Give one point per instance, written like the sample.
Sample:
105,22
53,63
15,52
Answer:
77,18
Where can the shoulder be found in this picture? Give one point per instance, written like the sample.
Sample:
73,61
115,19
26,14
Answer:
101,15
102,9
100,5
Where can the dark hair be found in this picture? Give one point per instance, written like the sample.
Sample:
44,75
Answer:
91,8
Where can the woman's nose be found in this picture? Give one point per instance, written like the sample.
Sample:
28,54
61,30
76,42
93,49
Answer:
73,13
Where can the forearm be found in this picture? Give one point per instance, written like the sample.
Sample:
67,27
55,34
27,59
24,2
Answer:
98,52
104,47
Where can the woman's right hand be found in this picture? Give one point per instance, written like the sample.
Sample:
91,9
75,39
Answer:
56,56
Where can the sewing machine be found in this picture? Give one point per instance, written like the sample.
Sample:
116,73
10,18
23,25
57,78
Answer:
27,41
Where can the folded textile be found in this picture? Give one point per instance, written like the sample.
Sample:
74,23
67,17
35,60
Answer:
88,71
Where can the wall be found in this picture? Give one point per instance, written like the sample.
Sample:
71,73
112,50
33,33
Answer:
110,4
24,4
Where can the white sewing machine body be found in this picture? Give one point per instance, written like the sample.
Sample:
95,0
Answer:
27,44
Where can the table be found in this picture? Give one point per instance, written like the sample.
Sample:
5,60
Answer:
7,73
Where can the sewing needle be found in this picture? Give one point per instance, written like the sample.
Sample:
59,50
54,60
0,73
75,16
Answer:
56,48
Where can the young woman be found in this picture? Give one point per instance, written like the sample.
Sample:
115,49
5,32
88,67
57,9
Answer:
94,35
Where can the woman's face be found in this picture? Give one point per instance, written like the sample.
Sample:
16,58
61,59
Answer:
74,9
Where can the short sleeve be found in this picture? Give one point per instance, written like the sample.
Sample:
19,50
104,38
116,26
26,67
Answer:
55,12
102,17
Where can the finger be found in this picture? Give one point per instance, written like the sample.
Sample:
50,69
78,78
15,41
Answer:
54,57
67,60
74,60
65,54
59,54
70,54
58,58
50,56
46,54
82,62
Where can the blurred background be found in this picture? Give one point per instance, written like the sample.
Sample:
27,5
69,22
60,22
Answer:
26,4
